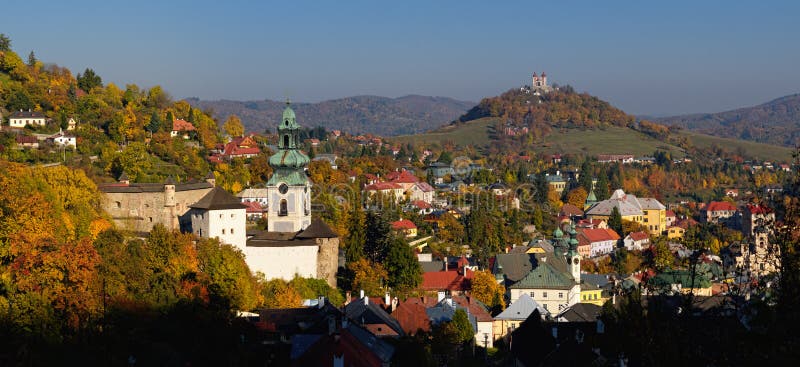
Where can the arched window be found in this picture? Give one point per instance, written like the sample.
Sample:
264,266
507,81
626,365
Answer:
286,141
119,205
284,211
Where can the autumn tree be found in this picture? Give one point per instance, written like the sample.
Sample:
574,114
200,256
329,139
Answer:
577,196
368,276
450,229
88,80
228,273
233,126
278,293
486,289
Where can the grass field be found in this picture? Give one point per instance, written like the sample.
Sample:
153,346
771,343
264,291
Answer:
752,149
609,140
475,133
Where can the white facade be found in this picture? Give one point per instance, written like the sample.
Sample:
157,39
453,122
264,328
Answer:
65,140
289,207
254,195
417,192
600,248
553,300
299,260
226,224
24,121
485,334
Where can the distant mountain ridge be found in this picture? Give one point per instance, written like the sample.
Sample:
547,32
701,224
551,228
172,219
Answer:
357,115
774,122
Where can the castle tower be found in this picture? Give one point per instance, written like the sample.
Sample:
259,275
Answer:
288,190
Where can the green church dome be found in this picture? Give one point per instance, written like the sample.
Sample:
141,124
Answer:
290,158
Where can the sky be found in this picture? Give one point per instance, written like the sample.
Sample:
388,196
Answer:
647,58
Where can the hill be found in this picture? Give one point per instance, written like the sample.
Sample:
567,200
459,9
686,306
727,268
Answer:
774,122
359,114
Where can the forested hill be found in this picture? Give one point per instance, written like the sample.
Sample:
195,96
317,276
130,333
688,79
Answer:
775,122
557,108
360,114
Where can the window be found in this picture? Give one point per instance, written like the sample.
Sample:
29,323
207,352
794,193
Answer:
544,294
220,216
233,215
231,230
119,205
223,231
560,295
531,294
286,139
594,296
284,211
150,219
545,307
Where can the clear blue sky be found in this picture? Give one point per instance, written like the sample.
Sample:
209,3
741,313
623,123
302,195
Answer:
670,57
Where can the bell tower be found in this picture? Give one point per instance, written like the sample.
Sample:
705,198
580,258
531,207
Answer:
288,190
573,257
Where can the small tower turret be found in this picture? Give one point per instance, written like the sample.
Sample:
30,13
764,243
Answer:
169,192
573,257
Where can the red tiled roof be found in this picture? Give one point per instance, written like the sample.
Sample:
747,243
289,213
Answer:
26,139
474,307
403,177
758,209
570,210
403,224
670,213
253,207
446,280
380,186
421,204
598,235
720,206
638,236
412,316
182,125
425,187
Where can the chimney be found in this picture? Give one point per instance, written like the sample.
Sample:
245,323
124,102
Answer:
395,301
361,294
387,300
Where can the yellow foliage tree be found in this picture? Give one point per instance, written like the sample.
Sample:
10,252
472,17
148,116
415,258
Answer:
486,289
368,276
577,197
233,126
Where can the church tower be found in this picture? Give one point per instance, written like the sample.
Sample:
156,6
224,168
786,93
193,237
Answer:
288,190
573,257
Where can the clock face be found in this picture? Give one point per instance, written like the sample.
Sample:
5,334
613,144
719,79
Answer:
576,261
283,188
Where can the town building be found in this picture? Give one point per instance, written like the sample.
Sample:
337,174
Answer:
539,84
719,212
517,312
22,118
63,139
405,227
637,241
182,128
596,242
220,215
552,279
648,212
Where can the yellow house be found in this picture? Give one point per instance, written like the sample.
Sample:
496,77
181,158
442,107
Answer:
592,294
675,232
648,212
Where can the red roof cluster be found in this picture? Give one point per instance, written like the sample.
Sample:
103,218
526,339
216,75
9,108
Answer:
451,280
403,176
380,186
403,224
720,206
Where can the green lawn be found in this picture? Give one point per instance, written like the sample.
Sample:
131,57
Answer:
610,140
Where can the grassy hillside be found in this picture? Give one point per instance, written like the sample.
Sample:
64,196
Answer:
757,150
608,140
476,132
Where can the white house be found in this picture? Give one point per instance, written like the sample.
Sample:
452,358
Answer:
637,241
221,215
421,191
254,195
63,139
71,124
22,118
596,242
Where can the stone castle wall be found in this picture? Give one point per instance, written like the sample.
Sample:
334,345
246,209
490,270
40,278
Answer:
140,211
328,259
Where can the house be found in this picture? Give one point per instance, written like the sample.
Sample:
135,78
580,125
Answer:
63,139
439,170
27,141
557,182
71,124
680,282
406,227
421,207
240,147
671,218
220,215
403,178
517,312
455,282
330,158
570,211
421,191
255,211
719,211
183,128
372,317
477,315
732,193
253,195
386,189
613,158
675,232
580,313
552,279
648,212
596,242
411,315
637,241
22,118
